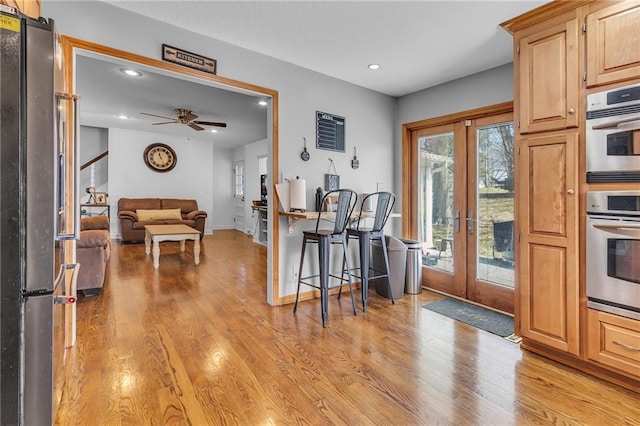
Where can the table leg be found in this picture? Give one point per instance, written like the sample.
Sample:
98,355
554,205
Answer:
196,250
147,242
182,245
156,254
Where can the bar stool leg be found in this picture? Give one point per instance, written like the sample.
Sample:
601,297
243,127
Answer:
304,246
364,241
323,259
345,259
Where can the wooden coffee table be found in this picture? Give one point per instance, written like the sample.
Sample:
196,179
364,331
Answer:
159,233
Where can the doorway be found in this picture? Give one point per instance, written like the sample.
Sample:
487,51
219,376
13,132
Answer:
73,47
463,208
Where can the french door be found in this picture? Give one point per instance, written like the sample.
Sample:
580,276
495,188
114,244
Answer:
464,207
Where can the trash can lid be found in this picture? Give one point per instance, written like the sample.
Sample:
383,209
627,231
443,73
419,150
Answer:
395,244
412,244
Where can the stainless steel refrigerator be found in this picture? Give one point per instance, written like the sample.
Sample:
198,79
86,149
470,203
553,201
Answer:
36,183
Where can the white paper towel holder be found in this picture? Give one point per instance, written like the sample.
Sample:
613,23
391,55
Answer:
297,209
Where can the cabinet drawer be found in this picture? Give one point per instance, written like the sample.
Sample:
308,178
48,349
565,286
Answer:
614,341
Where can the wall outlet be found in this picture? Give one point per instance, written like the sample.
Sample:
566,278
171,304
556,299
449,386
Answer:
379,186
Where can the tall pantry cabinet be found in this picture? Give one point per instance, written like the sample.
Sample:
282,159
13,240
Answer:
561,50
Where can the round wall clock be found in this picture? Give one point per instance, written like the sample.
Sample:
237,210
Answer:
160,157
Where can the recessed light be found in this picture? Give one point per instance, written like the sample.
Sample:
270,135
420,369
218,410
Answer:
262,103
122,117
373,66
214,130
131,72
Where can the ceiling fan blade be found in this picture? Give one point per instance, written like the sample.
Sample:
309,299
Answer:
165,122
211,123
161,116
195,126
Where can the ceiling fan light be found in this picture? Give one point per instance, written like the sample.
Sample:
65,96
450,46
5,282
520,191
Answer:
214,130
131,72
122,117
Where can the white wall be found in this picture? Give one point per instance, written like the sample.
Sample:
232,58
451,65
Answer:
94,141
369,115
202,172
249,154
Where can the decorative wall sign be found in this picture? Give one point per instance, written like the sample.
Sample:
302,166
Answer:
188,59
329,131
331,180
355,163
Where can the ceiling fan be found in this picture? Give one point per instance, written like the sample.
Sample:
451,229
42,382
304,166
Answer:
186,116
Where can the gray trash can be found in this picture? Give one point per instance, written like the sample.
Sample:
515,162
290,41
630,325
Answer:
397,253
413,275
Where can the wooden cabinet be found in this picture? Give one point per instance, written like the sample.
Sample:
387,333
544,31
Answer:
556,48
613,43
549,78
28,7
614,341
548,273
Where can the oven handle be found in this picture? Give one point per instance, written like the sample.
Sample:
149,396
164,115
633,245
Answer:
632,123
618,227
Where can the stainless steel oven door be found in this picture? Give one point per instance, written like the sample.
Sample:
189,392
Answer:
613,143
613,265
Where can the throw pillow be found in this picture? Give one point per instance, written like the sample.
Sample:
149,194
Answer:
152,215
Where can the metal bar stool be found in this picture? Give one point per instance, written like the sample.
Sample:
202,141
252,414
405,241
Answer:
325,238
384,204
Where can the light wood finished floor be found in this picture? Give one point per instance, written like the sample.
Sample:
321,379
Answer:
198,345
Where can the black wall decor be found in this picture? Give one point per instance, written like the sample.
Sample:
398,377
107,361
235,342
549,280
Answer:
329,131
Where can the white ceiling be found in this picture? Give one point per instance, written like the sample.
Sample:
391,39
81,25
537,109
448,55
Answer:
418,44
105,93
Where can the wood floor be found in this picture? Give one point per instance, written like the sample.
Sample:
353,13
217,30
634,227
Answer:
199,345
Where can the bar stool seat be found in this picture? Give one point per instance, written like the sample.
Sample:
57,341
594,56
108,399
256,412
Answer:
325,238
384,202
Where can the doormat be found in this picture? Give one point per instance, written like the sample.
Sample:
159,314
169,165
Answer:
485,319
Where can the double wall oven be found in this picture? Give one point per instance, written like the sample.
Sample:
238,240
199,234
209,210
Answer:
613,252
613,217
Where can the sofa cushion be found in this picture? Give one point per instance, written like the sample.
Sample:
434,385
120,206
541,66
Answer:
157,215
133,204
185,206
94,222
93,238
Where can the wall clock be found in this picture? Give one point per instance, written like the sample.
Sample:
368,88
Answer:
160,157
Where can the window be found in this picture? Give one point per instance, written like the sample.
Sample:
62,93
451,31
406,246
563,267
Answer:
238,179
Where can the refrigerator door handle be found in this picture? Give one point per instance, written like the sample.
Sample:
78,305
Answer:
60,297
67,180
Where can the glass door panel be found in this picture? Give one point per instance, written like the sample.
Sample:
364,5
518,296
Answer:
494,205
436,200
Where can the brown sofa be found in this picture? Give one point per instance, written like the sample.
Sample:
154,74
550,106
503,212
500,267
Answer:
132,228
93,250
